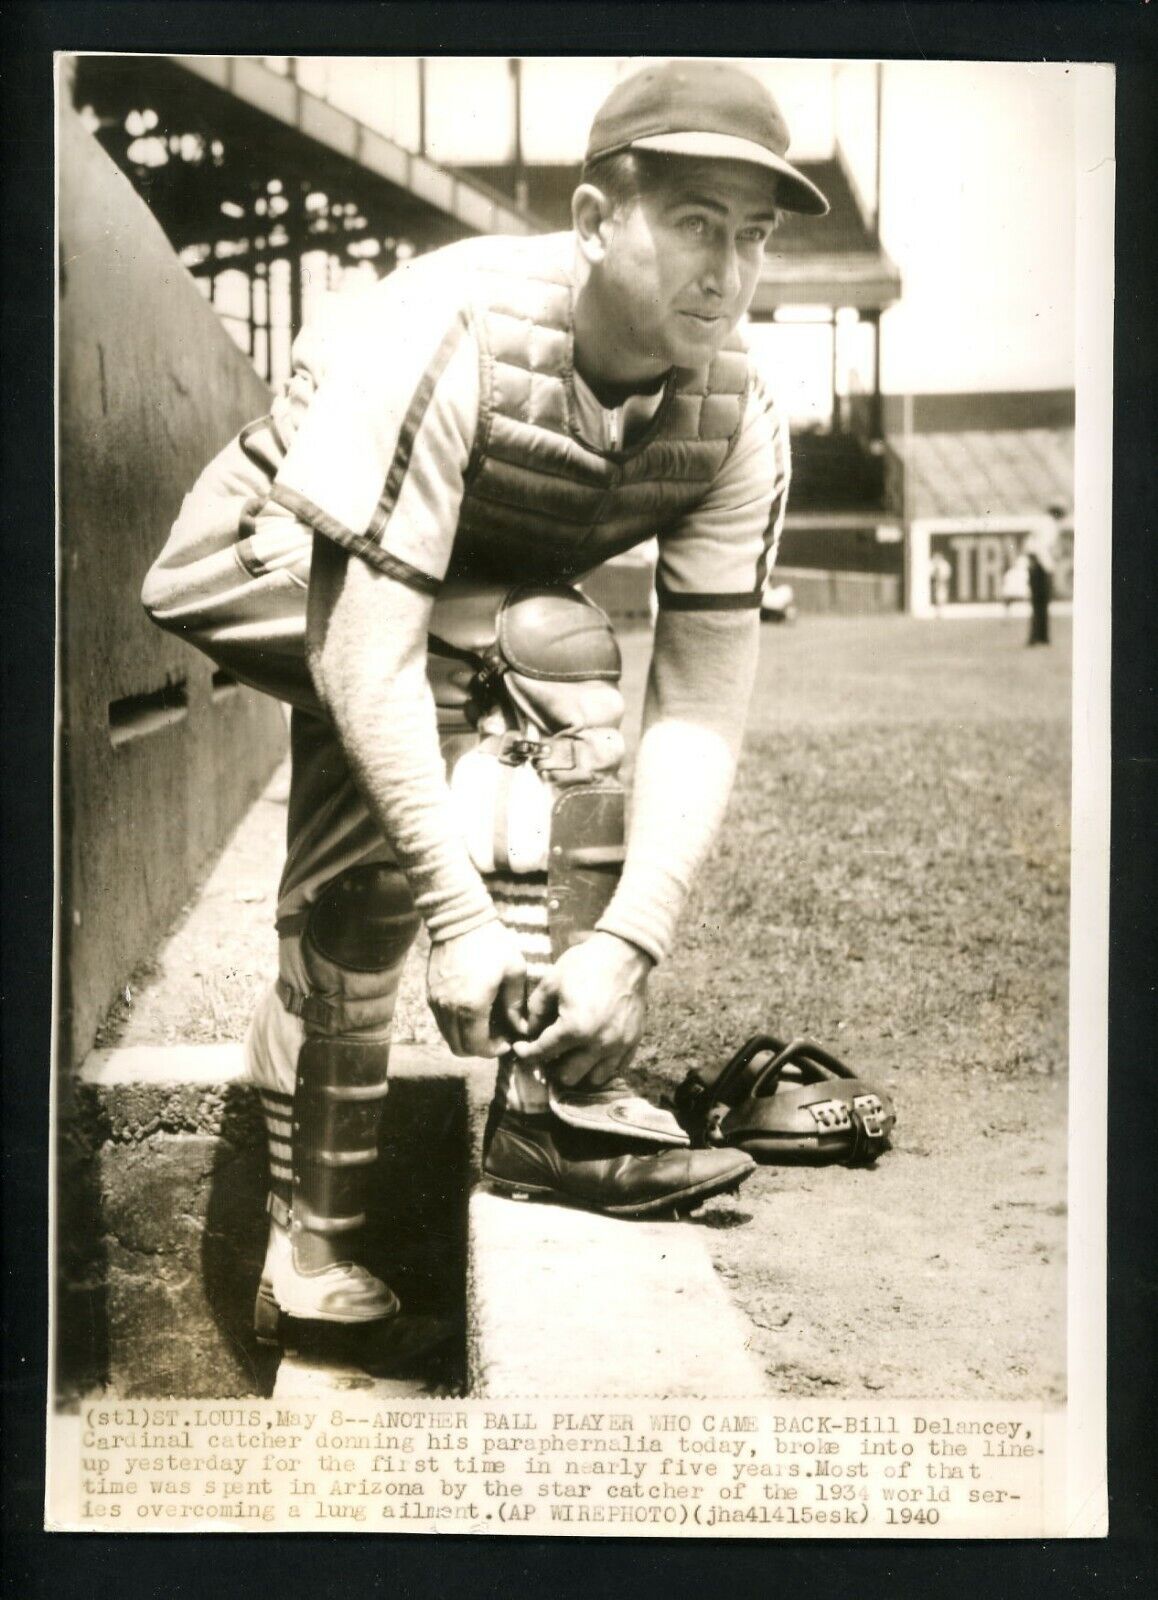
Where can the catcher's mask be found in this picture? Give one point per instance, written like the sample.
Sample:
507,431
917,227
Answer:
787,1103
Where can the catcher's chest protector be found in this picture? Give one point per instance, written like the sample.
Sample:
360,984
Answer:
538,500
539,504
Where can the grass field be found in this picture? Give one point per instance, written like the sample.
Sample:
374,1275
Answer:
895,866
893,880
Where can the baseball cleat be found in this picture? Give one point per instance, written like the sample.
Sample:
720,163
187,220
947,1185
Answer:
539,1157
341,1292
343,1314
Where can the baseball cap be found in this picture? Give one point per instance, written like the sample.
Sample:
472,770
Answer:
703,108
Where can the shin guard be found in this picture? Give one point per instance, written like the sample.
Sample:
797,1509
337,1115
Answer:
337,1108
541,809
338,986
521,902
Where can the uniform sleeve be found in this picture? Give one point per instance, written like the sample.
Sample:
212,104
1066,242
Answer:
377,460
717,558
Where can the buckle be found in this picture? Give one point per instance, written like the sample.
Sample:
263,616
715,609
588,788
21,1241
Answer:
714,1125
831,1115
545,755
515,748
557,754
487,675
872,1114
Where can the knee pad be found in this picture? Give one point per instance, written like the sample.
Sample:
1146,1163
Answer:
356,939
539,793
365,920
543,656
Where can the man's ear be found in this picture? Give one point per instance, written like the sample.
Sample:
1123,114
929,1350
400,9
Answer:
592,214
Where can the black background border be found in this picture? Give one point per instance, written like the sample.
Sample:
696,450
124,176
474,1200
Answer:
60,1565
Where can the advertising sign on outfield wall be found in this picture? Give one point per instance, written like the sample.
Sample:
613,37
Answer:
974,566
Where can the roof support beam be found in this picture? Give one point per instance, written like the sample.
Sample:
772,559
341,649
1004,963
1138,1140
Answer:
287,102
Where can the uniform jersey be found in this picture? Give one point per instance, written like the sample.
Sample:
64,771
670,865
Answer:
443,430
395,414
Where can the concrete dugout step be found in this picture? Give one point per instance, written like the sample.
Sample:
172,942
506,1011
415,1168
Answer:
163,1172
564,1303
162,1223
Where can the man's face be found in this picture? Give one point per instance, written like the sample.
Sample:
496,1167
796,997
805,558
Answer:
682,261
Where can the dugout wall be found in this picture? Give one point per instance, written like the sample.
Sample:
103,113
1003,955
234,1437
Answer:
160,755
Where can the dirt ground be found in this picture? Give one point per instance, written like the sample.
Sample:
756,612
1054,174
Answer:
893,881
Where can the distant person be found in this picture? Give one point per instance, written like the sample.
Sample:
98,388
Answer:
1015,581
1040,551
940,573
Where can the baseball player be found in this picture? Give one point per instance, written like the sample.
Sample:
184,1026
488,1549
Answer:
393,551
1040,552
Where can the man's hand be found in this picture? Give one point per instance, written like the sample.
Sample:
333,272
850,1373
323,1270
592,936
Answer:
586,1014
476,985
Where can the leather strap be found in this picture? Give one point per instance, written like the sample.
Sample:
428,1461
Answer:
312,1008
284,1218
501,819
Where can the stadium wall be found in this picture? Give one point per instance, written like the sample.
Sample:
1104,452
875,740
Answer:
842,594
978,410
